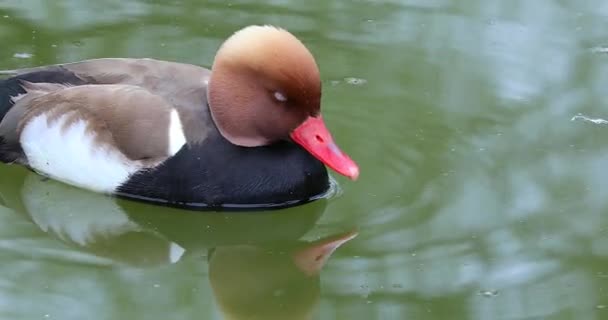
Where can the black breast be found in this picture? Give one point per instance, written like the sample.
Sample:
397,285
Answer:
217,174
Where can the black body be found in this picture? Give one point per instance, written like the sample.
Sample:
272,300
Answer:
217,174
210,175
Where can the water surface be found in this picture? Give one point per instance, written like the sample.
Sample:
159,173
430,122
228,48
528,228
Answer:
479,198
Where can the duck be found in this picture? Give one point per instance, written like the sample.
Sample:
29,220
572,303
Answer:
246,133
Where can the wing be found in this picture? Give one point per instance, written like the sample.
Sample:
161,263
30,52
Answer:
163,77
182,85
92,136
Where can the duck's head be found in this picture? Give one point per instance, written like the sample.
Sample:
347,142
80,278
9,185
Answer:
265,87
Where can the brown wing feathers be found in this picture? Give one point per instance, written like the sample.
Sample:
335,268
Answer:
126,117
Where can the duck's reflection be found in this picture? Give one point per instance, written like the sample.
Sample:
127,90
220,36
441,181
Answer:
270,282
258,267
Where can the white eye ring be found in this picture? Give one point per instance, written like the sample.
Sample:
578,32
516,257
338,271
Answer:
279,96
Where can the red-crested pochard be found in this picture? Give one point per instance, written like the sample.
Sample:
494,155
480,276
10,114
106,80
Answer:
247,133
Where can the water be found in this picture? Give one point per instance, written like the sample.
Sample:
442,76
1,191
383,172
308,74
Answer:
479,197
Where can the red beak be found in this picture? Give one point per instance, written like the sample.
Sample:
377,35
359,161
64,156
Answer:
316,139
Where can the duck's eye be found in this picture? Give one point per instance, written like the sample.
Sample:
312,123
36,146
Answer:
280,96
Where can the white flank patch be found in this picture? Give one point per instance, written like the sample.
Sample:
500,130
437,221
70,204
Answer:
176,134
73,156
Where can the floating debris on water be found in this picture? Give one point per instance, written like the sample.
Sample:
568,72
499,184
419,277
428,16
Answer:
585,118
488,293
599,50
355,81
22,55
349,80
601,306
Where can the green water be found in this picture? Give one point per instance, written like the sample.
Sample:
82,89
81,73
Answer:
479,197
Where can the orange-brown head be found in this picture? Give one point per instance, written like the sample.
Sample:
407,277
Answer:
265,87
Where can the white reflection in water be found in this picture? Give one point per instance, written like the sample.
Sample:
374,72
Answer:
588,119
